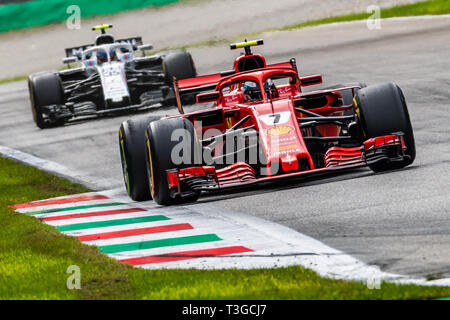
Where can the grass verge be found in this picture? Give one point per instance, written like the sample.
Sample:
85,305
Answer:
430,7
12,79
35,257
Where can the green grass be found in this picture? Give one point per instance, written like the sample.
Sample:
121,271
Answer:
13,79
432,7
35,257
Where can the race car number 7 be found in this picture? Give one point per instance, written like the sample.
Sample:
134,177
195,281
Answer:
275,118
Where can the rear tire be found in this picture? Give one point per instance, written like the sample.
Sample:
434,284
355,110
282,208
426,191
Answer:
45,89
159,156
132,153
179,64
382,110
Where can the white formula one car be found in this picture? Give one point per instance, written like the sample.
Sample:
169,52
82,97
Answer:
111,79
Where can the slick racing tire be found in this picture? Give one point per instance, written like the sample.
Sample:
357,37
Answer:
160,145
179,64
132,154
45,89
382,110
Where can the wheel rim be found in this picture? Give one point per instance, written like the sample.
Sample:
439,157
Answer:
124,163
33,104
150,169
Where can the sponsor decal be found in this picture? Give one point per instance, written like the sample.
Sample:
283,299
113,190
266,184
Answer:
287,140
289,147
286,152
279,130
231,99
284,90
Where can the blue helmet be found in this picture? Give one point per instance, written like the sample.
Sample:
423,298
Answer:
101,56
251,91
112,55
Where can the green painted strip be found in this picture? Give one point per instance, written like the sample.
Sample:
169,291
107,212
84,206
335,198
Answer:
159,243
110,223
76,208
43,12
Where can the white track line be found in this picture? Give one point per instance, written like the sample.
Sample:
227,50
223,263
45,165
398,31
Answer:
31,210
150,237
178,248
81,211
87,232
68,222
53,168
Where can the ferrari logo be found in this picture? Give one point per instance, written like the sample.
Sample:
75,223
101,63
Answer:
229,123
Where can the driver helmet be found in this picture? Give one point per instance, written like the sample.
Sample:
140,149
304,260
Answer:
251,91
113,55
271,89
102,57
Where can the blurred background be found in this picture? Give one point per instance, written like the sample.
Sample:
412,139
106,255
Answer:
33,34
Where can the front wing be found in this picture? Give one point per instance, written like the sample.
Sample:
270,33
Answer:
66,112
390,148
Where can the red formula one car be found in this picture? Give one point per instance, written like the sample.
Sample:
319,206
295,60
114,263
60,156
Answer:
261,127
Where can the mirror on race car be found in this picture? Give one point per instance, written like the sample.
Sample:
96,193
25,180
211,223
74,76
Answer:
145,47
311,80
208,97
69,60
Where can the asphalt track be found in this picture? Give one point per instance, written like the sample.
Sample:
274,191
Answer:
397,220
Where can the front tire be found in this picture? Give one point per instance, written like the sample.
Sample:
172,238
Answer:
382,110
160,145
132,154
45,89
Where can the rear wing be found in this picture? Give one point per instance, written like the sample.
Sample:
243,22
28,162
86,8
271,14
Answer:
78,51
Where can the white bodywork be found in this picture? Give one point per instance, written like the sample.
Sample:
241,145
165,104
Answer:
114,82
111,70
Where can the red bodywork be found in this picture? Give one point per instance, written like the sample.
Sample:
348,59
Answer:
286,143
